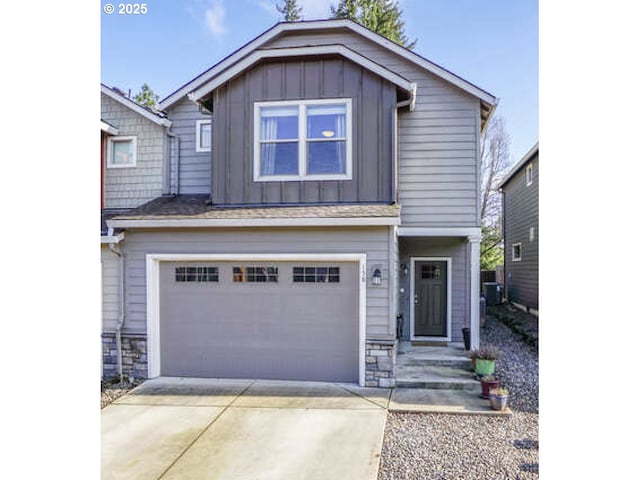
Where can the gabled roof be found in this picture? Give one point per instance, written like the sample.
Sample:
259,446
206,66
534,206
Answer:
155,117
488,101
527,156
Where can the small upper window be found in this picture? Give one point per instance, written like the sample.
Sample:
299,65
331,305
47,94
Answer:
529,174
302,140
516,252
121,152
203,135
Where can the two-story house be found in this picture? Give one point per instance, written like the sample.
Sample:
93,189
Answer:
326,200
520,230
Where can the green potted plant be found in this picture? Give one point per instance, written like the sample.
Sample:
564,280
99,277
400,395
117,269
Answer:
499,398
485,360
488,382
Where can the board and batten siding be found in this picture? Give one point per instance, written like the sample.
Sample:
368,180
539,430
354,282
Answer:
373,241
194,169
110,290
438,160
373,101
458,250
520,210
130,187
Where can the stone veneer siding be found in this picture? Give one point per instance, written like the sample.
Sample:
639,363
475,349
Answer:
134,355
380,363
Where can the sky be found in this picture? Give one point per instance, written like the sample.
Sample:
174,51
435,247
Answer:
493,45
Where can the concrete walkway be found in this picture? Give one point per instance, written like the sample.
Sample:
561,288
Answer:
173,428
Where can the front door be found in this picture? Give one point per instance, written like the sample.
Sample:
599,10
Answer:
430,299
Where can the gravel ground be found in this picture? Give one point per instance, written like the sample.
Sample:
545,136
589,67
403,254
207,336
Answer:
439,446
113,391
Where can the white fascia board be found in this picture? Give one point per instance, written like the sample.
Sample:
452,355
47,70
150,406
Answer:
439,231
112,238
341,50
106,128
130,104
527,156
254,222
197,82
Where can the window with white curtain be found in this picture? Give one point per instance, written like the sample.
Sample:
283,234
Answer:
203,135
302,140
121,152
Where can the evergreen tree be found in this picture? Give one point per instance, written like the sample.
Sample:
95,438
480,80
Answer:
146,97
290,11
381,16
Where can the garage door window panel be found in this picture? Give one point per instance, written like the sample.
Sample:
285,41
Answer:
255,274
316,274
196,274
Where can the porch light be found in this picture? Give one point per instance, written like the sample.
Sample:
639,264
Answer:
376,279
328,133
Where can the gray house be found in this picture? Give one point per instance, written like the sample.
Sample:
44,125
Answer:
520,230
324,202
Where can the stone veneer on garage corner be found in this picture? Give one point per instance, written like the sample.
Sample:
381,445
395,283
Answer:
134,356
380,363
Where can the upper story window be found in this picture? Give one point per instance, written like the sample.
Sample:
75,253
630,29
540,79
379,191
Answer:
528,174
121,152
203,135
516,252
302,140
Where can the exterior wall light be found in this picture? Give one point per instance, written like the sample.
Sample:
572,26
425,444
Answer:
376,279
404,269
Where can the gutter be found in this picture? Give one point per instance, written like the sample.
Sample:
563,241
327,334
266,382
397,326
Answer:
121,307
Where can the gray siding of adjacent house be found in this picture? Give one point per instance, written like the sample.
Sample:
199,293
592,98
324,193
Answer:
373,101
110,291
374,241
438,161
458,250
130,187
194,169
520,211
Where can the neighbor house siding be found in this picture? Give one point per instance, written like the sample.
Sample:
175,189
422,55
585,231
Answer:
438,164
458,250
373,101
520,210
110,290
373,241
194,168
130,187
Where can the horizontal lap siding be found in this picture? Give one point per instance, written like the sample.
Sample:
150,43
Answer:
130,187
110,290
520,214
457,249
437,142
195,167
372,241
373,101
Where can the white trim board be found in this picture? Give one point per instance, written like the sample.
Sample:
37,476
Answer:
153,293
279,28
413,292
254,222
439,231
130,104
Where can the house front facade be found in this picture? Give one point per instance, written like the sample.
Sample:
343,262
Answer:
323,204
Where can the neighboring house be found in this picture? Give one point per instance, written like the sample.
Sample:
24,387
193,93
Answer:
520,230
326,198
132,151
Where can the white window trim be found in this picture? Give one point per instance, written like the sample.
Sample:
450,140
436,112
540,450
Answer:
110,141
302,142
513,253
199,123
528,174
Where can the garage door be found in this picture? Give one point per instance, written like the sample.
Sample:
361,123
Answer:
280,320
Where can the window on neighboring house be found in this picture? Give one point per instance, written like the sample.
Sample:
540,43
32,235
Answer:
532,234
203,135
516,252
121,152
303,140
528,173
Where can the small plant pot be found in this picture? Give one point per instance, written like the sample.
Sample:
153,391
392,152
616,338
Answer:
499,402
487,386
466,336
485,367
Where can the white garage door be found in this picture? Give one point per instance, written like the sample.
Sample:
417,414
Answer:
269,320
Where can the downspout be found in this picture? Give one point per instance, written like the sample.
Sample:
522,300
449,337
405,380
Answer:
113,247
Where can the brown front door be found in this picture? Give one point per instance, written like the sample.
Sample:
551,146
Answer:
430,312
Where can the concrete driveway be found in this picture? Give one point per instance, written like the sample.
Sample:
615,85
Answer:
177,428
